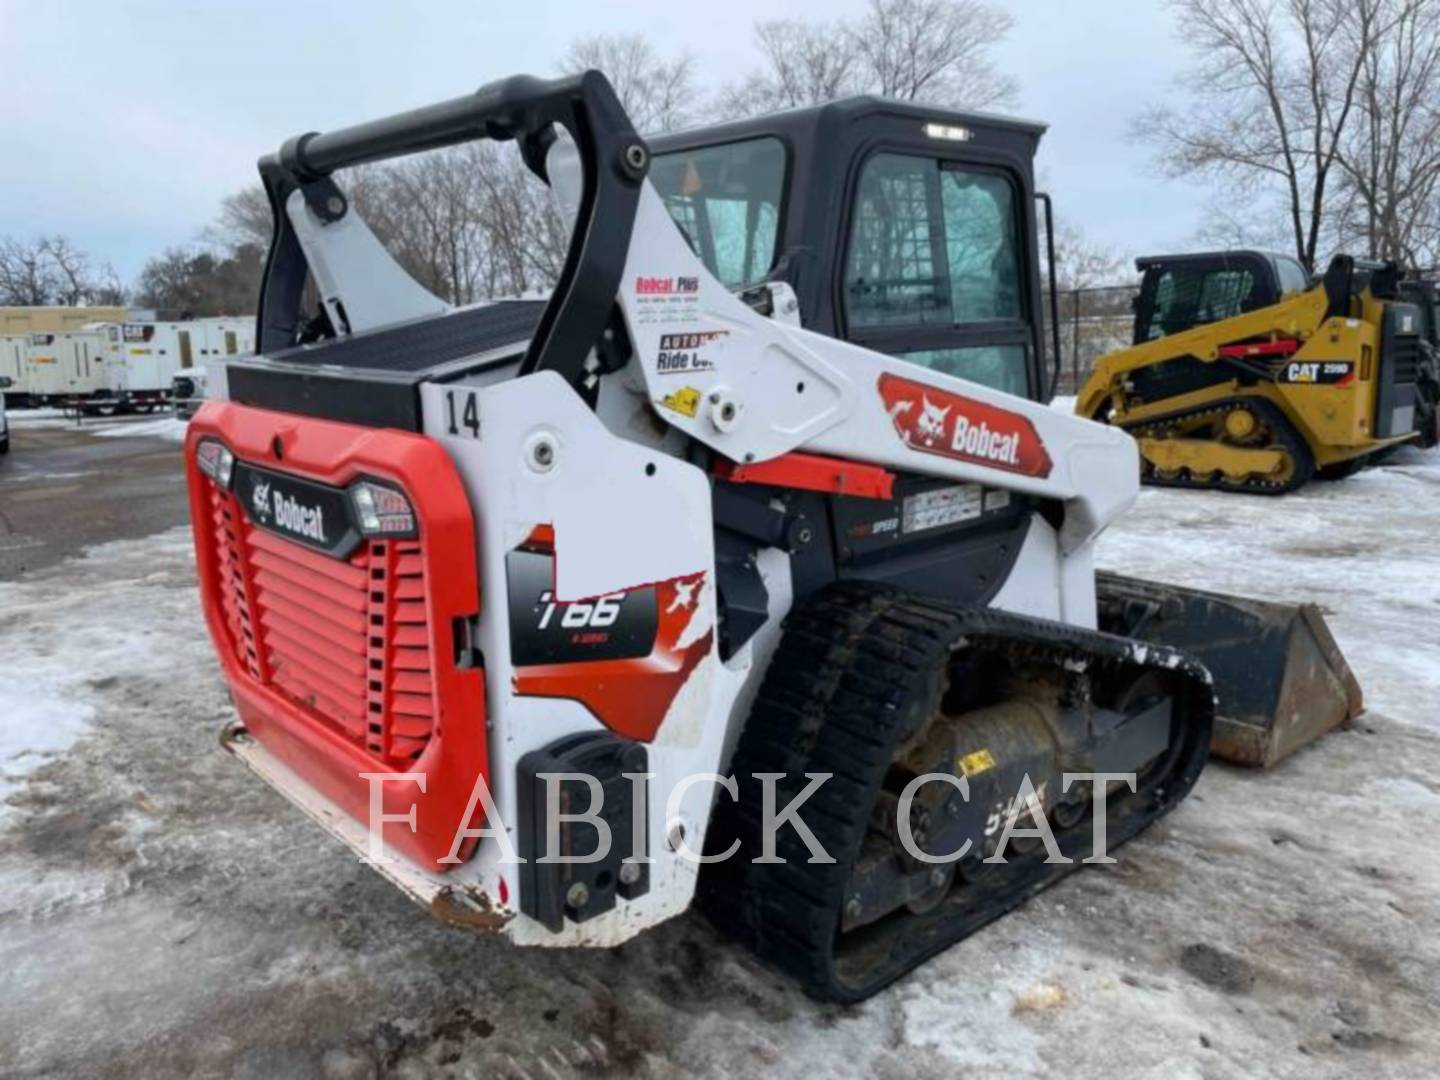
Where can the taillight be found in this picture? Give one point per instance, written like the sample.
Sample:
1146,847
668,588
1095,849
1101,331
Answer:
215,461
381,510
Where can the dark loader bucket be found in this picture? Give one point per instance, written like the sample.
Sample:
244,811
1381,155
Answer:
1280,680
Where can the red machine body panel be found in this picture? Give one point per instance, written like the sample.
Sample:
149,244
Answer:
343,666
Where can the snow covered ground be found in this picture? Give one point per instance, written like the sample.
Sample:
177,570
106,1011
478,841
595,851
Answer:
163,914
167,427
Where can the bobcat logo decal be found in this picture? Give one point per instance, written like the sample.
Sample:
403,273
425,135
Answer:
260,500
931,424
963,428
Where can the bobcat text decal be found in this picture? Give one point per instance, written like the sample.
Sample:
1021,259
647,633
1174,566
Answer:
935,421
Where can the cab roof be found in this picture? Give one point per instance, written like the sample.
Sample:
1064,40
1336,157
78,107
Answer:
861,106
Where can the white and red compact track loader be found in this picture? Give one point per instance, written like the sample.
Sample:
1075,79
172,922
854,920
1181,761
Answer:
754,543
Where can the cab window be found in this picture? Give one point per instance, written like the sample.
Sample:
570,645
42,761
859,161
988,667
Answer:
1292,275
727,201
1187,296
934,250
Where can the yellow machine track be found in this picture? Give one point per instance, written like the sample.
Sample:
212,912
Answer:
1241,444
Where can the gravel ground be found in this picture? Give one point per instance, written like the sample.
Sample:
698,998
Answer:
162,914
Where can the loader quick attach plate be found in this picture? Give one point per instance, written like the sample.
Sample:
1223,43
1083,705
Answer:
1281,682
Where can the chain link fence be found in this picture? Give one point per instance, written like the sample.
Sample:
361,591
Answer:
1093,321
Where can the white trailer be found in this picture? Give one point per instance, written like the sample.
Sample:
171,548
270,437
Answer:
12,366
145,356
227,336
66,366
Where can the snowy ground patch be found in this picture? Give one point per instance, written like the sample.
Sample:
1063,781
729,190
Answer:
35,730
22,417
61,642
170,428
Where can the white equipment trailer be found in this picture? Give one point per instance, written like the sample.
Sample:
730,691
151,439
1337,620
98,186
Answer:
225,338
145,357
65,367
12,366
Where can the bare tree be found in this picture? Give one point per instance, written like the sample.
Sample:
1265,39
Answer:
426,210
244,218
107,290
804,64
1274,91
27,276
70,270
50,270
936,51
1389,205
1081,263
659,94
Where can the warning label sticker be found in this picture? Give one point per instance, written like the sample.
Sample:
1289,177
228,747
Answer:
946,506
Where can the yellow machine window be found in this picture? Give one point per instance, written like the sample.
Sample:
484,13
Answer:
1190,296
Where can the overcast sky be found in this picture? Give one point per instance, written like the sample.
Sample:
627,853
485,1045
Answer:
126,122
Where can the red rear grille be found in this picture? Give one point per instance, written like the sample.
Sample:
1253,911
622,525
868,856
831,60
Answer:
347,641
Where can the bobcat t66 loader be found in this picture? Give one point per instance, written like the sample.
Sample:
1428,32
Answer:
1245,377
764,489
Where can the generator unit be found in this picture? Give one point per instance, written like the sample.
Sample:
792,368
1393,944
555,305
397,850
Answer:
66,366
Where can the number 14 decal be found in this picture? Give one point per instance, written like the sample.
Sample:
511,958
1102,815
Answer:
467,417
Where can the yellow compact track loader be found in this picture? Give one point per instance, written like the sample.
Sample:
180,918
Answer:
1246,377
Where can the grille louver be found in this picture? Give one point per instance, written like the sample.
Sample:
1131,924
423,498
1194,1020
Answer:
347,640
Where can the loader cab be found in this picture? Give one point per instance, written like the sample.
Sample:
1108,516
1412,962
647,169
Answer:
1178,292
908,230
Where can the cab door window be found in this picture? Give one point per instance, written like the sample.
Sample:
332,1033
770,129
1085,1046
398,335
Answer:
726,200
933,269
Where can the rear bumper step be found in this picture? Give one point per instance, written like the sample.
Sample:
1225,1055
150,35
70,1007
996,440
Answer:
456,904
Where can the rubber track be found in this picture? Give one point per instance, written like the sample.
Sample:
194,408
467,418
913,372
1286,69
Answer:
1290,440
854,675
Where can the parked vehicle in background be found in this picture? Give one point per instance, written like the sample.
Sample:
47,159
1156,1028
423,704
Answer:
65,366
187,391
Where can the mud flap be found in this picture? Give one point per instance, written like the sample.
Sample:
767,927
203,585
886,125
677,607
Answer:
1280,679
